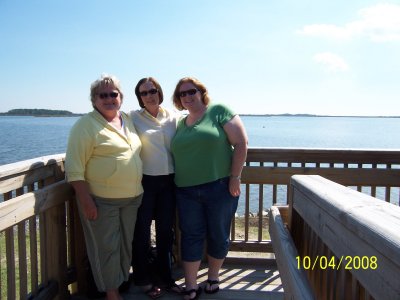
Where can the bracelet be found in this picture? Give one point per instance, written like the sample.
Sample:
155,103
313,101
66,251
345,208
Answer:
236,177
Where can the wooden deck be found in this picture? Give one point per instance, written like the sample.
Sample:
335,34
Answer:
42,253
240,279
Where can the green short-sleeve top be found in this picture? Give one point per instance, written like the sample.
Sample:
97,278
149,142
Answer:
202,152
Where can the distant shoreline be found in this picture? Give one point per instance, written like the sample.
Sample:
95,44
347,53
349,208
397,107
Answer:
25,112
40,116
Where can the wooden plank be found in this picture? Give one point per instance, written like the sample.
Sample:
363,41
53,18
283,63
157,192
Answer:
294,279
10,260
349,177
19,180
354,226
79,251
33,253
27,165
246,213
10,257
315,155
22,258
17,175
20,208
251,246
56,248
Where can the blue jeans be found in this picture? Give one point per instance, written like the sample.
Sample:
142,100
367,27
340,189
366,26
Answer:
205,212
159,204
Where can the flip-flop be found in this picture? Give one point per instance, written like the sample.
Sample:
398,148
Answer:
196,293
174,288
153,292
210,284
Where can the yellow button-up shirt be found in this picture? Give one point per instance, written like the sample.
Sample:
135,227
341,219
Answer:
156,134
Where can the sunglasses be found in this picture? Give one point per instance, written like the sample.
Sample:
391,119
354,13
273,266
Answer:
112,95
190,92
145,93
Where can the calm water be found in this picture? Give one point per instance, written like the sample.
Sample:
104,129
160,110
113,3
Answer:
29,137
323,132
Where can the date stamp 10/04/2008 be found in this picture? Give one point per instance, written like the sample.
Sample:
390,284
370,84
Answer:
346,261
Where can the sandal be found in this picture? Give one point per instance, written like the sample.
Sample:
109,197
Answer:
196,293
209,284
174,288
153,292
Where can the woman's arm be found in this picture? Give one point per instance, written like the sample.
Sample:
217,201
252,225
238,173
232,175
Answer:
237,137
79,149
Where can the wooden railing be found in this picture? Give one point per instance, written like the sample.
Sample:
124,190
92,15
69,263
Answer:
337,243
41,242
42,250
267,174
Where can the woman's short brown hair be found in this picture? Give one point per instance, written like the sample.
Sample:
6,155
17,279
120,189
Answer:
198,84
156,84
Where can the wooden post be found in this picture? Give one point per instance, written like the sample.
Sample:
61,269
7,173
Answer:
55,243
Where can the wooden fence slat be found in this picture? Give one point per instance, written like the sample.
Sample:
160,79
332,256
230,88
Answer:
27,205
294,281
326,155
34,267
22,264
10,256
55,242
371,177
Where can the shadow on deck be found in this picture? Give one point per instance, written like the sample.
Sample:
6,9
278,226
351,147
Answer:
257,279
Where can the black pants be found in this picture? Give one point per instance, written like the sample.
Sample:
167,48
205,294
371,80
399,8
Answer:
158,203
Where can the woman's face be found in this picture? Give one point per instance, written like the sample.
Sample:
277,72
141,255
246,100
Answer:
190,96
149,95
108,100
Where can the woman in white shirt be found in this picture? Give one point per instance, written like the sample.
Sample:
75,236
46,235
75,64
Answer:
156,127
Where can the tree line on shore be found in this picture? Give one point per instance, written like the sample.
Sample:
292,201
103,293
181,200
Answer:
39,112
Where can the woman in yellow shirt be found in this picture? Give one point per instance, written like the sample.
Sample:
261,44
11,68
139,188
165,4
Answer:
104,167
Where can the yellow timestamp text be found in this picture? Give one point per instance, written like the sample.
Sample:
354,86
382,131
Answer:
347,261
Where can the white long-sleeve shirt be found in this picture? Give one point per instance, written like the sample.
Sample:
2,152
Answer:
156,135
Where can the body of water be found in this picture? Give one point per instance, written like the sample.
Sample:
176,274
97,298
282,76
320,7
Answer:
323,132
24,138
29,137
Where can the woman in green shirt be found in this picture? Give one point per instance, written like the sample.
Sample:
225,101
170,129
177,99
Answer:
209,150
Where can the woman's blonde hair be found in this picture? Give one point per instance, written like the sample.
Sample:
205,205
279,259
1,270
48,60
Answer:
105,80
198,84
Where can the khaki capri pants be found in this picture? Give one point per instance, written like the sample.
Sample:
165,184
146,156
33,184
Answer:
109,240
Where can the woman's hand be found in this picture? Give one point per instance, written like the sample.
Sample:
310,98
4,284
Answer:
86,201
89,208
234,186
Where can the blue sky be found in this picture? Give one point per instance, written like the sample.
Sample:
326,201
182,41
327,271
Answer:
261,57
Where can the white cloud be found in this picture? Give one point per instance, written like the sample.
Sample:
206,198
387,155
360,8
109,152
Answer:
379,23
331,61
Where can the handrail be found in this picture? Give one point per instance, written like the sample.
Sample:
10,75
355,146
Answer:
266,177
348,243
40,230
